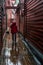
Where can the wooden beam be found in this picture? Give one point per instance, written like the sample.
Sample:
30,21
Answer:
10,7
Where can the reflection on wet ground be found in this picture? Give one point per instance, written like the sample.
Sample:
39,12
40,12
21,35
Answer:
19,57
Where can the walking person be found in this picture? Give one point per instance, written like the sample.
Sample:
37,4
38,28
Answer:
14,30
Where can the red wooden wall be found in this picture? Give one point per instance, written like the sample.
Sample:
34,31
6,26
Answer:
33,27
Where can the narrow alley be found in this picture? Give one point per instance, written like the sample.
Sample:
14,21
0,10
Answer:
21,32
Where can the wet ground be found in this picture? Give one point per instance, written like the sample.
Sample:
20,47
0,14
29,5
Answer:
20,56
